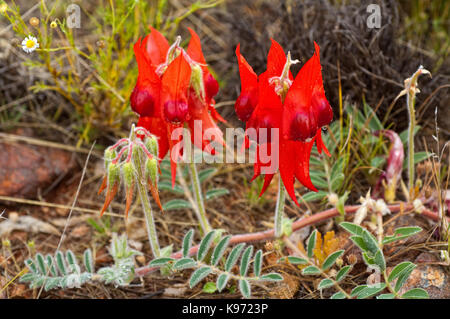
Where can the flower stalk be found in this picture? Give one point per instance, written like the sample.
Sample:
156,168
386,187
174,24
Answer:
279,209
134,162
200,211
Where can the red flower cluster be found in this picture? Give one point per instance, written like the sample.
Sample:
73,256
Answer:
296,107
174,88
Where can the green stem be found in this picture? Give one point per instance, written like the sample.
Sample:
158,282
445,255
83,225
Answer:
149,220
412,123
200,211
279,209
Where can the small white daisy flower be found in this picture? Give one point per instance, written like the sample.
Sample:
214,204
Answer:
29,44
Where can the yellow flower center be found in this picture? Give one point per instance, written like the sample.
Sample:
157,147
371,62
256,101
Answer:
30,44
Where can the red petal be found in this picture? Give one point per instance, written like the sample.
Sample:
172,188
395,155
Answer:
157,127
175,85
157,47
249,79
276,59
194,49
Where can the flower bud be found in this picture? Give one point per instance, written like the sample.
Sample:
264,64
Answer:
113,174
151,143
197,81
176,111
109,155
128,173
333,198
151,169
53,24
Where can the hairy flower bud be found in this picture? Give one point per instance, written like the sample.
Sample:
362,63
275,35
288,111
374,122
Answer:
109,155
151,169
128,173
113,174
197,81
151,143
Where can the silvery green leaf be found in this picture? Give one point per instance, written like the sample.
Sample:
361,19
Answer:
368,291
245,260
220,249
31,265
233,257
273,276
244,288
216,192
399,269
313,196
222,281
416,293
60,261
175,204
379,260
167,186
343,272
359,241
41,263
70,257
294,260
401,233
51,283
88,260
311,243
352,228
51,265
158,262
199,275
187,242
331,259
184,263
204,245
325,283
257,264
205,174
338,295
311,270
404,276
27,277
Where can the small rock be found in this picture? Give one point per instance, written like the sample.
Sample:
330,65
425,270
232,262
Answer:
432,278
24,168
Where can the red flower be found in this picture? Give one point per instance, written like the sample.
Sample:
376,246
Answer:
296,107
174,88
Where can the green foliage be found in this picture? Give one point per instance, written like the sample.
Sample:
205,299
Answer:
203,267
59,271
373,256
96,75
63,270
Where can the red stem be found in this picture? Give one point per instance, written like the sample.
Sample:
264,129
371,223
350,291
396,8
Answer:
269,234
